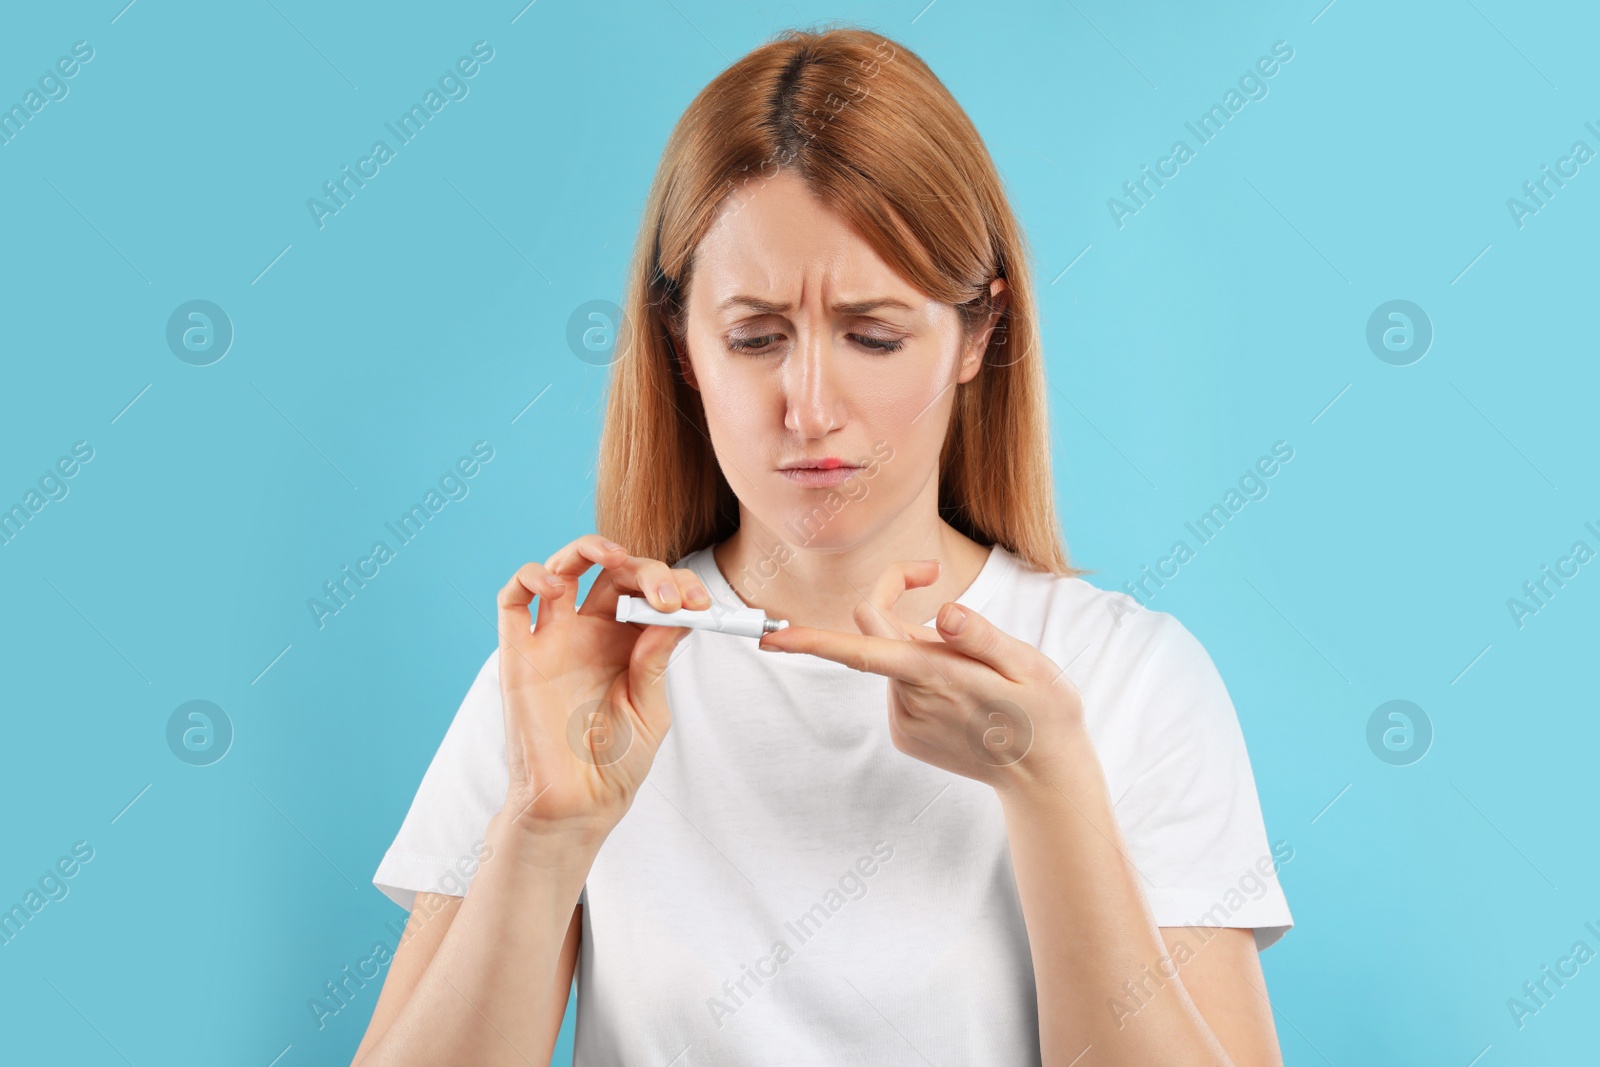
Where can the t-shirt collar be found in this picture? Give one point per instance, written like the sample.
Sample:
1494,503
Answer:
998,563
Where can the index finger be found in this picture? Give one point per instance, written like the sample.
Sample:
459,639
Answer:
914,661
575,558
664,587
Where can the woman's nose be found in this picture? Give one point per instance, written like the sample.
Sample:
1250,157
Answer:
814,400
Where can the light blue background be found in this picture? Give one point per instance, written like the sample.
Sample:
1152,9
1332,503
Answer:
1228,314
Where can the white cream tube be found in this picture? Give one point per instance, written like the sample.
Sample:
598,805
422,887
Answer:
743,622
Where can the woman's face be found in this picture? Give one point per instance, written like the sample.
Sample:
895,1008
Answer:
807,348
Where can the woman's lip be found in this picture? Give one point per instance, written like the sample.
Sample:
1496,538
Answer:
815,477
821,463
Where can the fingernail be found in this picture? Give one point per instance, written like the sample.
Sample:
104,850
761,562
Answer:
957,620
667,592
612,545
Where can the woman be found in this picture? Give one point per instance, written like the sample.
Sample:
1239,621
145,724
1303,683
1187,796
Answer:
832,407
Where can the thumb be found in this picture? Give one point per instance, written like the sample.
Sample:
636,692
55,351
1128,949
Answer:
970,633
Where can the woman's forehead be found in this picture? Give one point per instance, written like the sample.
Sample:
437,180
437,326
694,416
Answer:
750,269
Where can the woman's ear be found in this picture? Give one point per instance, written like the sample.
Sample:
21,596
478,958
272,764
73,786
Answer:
680,353
972,359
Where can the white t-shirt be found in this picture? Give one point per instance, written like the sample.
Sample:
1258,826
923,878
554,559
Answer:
790,888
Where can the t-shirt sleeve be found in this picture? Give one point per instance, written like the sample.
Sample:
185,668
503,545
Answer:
1190,811
442,838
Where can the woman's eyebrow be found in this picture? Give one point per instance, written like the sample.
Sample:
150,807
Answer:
857,307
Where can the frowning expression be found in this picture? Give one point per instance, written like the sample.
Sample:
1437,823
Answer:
823,372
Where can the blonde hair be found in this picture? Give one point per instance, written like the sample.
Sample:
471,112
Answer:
875,134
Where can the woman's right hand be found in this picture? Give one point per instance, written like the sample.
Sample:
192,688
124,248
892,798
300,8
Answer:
584,695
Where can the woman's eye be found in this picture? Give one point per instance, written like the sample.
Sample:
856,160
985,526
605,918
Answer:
879,344
768,341
751,344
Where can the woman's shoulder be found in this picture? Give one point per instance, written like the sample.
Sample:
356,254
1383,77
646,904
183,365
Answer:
1070,616
1046,597
1150,689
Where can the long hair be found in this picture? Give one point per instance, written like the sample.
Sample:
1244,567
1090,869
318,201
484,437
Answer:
875,135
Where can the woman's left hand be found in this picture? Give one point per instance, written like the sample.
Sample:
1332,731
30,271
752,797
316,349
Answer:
967,697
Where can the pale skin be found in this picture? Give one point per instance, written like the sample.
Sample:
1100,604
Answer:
807,381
